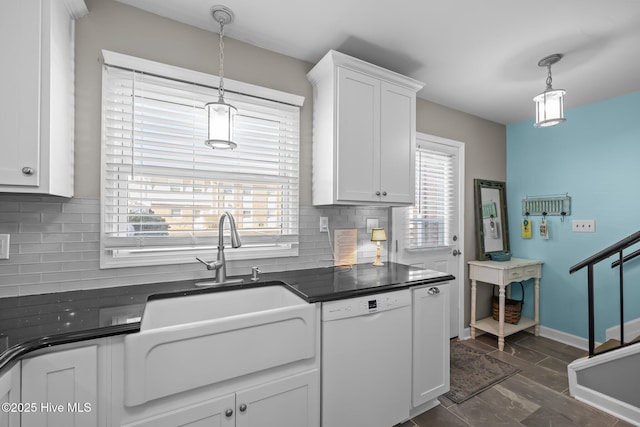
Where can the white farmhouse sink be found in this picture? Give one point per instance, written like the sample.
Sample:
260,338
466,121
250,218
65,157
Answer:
261,301
192,341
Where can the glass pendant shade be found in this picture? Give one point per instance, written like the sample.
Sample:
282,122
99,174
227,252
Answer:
549,108
221,118
219,113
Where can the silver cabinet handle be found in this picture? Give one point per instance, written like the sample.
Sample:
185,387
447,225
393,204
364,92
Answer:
242,407
433,291
228,413
377,193
27,170
384,193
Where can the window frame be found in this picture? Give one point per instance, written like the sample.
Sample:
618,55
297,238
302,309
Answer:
184,250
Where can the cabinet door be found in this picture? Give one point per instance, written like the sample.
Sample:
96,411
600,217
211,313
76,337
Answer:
210,413
20,35
65,386
291,402
430,343
10,393
397,144
358,138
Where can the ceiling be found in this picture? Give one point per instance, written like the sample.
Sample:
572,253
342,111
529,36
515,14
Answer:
476,56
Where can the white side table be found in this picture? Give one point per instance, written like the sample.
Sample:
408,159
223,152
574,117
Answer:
502,273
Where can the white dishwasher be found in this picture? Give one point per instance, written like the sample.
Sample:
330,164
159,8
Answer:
366,360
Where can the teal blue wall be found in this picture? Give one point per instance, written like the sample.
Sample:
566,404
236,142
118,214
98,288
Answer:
594,157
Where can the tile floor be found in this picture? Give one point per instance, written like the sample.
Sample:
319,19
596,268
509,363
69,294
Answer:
538,396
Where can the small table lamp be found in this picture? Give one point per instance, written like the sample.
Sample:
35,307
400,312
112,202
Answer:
378,235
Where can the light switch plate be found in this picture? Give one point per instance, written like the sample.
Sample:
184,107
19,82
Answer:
4,246
371,224
324,224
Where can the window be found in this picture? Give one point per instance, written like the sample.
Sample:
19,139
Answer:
163,190
430,217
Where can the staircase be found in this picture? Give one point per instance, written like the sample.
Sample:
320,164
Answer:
608,378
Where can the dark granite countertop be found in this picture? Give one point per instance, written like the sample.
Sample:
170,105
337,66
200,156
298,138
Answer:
32,322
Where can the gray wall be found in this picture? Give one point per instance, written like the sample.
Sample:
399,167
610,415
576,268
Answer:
114,26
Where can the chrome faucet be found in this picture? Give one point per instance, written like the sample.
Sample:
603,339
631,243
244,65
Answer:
220,265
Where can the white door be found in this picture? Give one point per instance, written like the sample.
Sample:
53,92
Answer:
358,136
64,385
430,327
292,401
430,233
397,133
20,33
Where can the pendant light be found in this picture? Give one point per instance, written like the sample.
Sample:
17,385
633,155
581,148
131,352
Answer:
550,103
220,113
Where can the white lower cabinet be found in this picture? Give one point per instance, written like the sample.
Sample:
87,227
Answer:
210,413
430,344
10,394
63,386
292,401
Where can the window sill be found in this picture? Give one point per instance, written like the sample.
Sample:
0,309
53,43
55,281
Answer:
161,256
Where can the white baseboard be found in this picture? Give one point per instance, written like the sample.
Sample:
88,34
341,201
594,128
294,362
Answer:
563,337
466,334
552,334
631,331
608,404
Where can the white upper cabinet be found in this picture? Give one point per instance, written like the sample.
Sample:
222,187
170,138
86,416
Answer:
364,130
37,106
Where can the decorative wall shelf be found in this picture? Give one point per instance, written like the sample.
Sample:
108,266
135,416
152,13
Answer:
546,205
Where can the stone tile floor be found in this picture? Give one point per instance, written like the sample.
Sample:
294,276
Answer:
538,396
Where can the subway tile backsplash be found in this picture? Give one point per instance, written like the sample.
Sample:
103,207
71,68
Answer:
55,246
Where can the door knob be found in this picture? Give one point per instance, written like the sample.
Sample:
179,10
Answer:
242,407
456,252
228,413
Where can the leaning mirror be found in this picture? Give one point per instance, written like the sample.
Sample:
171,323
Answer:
492,230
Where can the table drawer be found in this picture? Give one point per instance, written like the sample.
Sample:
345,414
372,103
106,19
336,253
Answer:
523,273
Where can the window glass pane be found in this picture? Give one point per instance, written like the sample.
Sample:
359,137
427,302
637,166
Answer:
431,215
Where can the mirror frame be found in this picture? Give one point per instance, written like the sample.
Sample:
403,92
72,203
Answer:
479,184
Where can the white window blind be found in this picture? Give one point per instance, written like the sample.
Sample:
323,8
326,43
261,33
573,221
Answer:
429,222
164,190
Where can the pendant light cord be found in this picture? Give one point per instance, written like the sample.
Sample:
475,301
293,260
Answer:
221,47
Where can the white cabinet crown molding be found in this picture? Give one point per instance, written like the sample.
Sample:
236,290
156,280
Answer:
337,59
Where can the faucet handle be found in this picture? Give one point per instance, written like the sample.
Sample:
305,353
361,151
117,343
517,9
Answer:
254,274
205,263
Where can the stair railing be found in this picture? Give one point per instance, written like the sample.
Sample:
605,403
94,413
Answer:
618,247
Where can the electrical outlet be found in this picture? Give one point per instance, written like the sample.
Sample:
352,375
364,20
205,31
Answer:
4,246
583,226
324,224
